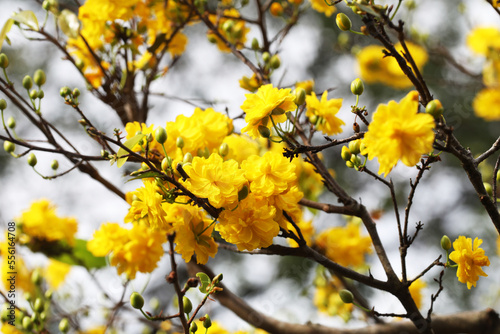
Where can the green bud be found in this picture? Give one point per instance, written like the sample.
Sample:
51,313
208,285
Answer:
8,146
206,153
64,325
266,57
144,166
355,146
445,242
357,86
346,296
54,164
39,77
41,94
434,108
76,92
33,94
179,142
149,137
164,164
35,317
32,160
65,91
27,82
255,44
188,307
27,323
161,135
43,316
300,96
28,297
355,160
489,188
49,293
188,157
4,60
193,328
264,131
313,119
3,104
498,177
79,64
346,154
275,62
207,322
136,300
212,39
243,193
36,276
104,154
228,26
343,22
223,149
39,305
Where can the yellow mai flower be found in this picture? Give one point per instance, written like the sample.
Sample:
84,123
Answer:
193,233
95,330
241,147
148,207
134,128
288,202
483,40
56,272
251,225
40,221
307,85
270,174
325,111
251,84
376,68
321,7
268,102
399,132
486,104
416,291
345,245
215,179
470,258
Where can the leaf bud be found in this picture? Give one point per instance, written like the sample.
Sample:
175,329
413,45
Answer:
27,323
179,142
357,86
207,322
32,160
255,44
445,242
223,149
54,164
275,62
9,146
64,325
193,328
188,306
136,300
343,22
76,92
243,193
355,146
39,77
161,135
3,104
264,131
39,305
434,108
346,296
4,60
345,154
300,96
266,57
65,91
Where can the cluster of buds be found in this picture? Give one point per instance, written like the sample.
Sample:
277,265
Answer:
271,62
350,154
70,96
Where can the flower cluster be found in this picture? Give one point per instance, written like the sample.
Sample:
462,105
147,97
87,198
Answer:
231,27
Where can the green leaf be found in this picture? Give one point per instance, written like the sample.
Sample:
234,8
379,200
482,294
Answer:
5,29
130,145
143,175
80,256
69,23
28,18
205,282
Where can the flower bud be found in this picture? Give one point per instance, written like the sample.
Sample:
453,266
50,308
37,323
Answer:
276,9
355,146
54,164
179,142
264,131
3,104
207,322
64,325
223,149
65,91
32,160
266,57
27,82
346,296
43,316
28,297
136,300
434,108
275,62
343,22
41,94
36,276
445,242
356,161
355,127
349,164
39,305
49,293
76,92
300,96
188,306
488,188
33,94
193,328
212,39
345,154
4,60
357,86
165,164
313,119
8,146
161,135
39,77
243,193
27,323
228,26
188,157
255,44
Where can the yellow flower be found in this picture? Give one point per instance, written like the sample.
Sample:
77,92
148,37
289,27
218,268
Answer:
375,67
148,207
288,202
270,174
325,110
250,84
8,329
483,40
345,245
486,104
215,179
259,108
399,132
321,7
56,272
108,237
194,234
95,330
134,128
307,85
241,147
40,221
470,258
416,291
251,225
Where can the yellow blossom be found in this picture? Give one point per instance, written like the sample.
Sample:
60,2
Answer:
325,110
416,291
40,221
215,179
8,329
345,245
241,147
56,272
287,202
399,132
251,225
307,85
322,7
486,104
470,258
234,32
268,105
95,330
251,84
483,40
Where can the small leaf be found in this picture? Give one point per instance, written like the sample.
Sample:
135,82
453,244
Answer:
143,176
28,18
204,281
5,29
80,256
69,23
128,144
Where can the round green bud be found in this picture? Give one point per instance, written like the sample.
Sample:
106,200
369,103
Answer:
343,22
27,82
300,96
355,146
161,135
79,64
4,60
33,94
8,146
313,119
266,57
188,306
264,131
207,322
410,4
39,305
164,164
346,296
228,26
36,276
188,157
27,323
255,44
179,142
76,92
357,86
223,149
49,293
39,77
43,316
149,137
64,325
346,154
54,164
275,62
32,160
243,193
489,188
41,94
136,300
193,328
65,91
28,297
35,317
434,108
3,104
46,5
144,166
445,242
